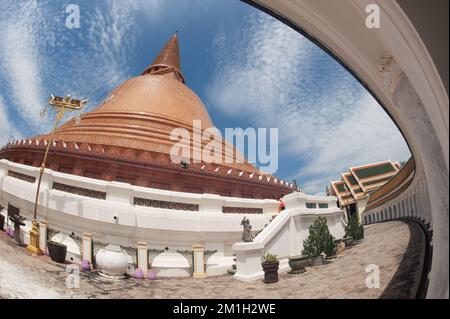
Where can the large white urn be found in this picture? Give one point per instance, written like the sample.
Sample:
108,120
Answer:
112,262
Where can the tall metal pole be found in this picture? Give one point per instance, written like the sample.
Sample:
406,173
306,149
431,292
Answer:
62,104
59,116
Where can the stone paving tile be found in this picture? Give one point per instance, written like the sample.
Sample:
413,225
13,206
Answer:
396,247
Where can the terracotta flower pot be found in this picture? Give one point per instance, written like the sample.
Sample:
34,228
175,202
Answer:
270,271
57,251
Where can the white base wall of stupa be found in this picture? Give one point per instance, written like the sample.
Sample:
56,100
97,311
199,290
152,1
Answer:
116,220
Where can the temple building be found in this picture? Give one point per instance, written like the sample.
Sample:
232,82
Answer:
359,182
127,139
113,194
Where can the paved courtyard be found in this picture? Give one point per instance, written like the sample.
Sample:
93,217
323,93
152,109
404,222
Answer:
395,247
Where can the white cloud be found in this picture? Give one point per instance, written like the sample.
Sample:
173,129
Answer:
277,78
40,56
111,36
7,129
19,60
365,135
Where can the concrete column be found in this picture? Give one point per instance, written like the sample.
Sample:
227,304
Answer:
419,204
198,261
142,256
43,236
86,248
414,204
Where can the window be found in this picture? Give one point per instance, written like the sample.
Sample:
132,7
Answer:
311,205
323,205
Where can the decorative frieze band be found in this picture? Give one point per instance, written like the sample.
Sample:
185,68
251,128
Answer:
79,191
241,210
138,201
23,177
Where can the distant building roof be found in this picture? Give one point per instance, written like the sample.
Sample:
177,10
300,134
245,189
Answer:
360,181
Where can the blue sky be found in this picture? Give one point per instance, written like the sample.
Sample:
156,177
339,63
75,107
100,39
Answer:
249,69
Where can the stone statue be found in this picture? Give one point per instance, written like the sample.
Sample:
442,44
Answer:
246,234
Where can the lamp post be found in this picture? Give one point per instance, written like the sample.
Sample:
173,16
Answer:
61,105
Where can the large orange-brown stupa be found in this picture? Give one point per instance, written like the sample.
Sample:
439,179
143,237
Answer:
127,139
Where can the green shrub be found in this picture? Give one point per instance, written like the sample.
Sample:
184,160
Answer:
270,257
319,239
354,228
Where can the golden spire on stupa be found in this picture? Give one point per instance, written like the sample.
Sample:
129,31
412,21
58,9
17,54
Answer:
168,60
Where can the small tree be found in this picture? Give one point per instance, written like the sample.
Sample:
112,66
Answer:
354,228
319,239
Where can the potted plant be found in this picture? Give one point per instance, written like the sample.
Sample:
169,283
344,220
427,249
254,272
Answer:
270,266
354,231
57,251
319,242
